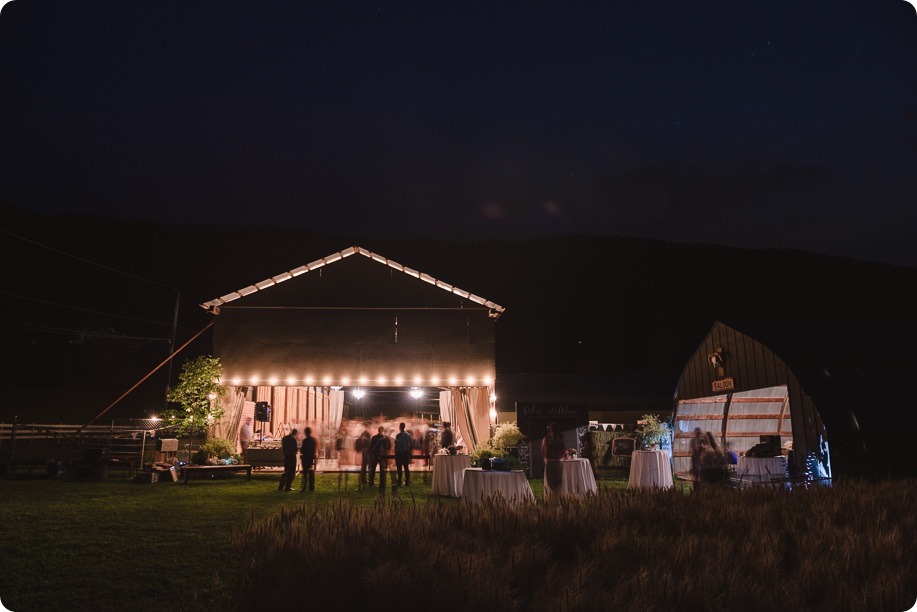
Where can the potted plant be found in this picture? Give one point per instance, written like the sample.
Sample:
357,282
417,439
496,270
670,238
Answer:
483,454
216,451
507,436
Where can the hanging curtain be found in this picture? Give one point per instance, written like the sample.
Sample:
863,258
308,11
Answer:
472,407
336,410
446,406
479,411
227,427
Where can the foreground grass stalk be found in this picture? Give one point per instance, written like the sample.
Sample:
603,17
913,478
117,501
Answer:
239,545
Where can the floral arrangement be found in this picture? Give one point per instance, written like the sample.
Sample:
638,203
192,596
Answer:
653,430
507,436
217,451
485,452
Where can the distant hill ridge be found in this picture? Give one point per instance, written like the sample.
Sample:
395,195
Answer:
606,319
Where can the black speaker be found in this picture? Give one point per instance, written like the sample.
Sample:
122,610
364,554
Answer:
262,412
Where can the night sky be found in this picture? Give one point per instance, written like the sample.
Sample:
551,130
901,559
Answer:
753,124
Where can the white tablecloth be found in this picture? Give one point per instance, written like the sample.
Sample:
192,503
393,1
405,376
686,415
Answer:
448,473
650,469
761,469
513,485
577,478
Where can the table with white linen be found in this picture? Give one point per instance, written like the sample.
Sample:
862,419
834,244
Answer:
576,478
448,474
512,485
756,470
650,469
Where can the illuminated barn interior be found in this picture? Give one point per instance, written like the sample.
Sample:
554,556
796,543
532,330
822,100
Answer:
355,333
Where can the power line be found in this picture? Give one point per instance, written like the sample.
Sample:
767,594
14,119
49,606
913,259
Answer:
25,297
104,267
48,329
84,260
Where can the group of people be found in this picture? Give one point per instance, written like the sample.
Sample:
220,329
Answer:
709,459
373,452
306,452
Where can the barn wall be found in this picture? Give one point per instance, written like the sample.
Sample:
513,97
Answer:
338,343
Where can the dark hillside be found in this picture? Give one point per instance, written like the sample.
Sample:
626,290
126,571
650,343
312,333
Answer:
608,321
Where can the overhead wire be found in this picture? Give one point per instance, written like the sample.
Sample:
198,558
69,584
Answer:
106,314
49,329
84,260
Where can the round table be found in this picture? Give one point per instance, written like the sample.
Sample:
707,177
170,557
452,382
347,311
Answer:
448,474
513,485
650,469
576,478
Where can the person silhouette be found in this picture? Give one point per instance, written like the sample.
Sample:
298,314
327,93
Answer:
289,446
307,458
404,445
379,446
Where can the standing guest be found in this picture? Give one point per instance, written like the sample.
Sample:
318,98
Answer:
712,462
586,450
430,446
404,444
347,456
361,446
553,450
552,446
288,447
245,436
732,457
379,446
447,438
339,445
307,458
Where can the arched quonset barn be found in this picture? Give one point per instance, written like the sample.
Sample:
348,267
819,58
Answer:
738,389
302,339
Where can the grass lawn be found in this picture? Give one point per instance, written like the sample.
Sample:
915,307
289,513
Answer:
119,545
237,544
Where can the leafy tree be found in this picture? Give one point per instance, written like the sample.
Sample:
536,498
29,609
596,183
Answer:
196,393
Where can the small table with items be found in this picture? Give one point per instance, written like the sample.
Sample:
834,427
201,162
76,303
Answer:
761,470
213,470
650,469
576,477
449,473
480,484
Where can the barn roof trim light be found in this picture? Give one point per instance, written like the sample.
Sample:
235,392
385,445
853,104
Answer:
485,379
213,306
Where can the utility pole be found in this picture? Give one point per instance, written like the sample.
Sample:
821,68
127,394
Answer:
165,402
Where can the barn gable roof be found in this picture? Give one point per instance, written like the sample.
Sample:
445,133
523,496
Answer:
213,306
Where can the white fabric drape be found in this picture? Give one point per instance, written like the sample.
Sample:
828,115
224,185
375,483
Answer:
227,427
470,415
336,410
446,406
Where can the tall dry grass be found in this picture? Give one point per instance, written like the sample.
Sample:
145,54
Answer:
847,547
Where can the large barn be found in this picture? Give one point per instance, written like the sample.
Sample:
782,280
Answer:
740,390
311,341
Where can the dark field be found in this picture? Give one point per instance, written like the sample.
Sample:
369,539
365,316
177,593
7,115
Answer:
232,544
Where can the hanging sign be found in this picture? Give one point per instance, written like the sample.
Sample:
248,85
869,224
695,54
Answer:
724,384
623,447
